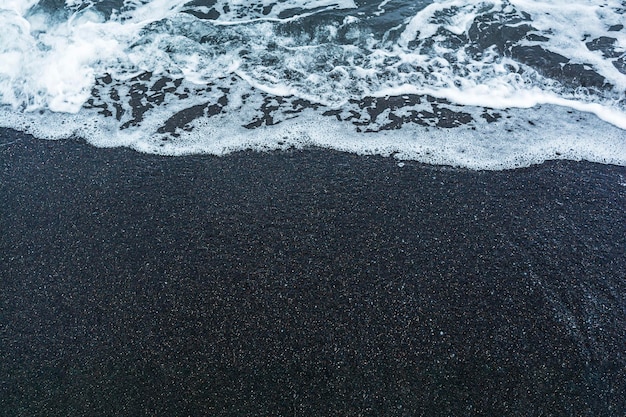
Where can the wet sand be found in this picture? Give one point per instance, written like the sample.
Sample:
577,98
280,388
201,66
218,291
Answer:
307,282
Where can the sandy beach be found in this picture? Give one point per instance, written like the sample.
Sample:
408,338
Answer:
306,282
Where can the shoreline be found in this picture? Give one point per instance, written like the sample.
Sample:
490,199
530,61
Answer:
307,282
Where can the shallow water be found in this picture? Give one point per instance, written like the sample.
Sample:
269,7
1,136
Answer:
480,84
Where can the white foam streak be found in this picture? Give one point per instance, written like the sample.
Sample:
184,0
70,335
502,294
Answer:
239,12
222,22
423,26
156,10
507,97
281,91
609,115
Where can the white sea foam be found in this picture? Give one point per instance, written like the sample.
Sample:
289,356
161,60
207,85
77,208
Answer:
520,138
570,24
239,12
50,67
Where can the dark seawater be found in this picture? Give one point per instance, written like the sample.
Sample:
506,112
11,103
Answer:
481,84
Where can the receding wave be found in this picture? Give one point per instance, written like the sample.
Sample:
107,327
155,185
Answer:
480,84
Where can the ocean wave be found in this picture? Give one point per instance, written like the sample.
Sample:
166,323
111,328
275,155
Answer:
482,84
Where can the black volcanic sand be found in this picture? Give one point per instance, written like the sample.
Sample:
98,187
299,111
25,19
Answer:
306,283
